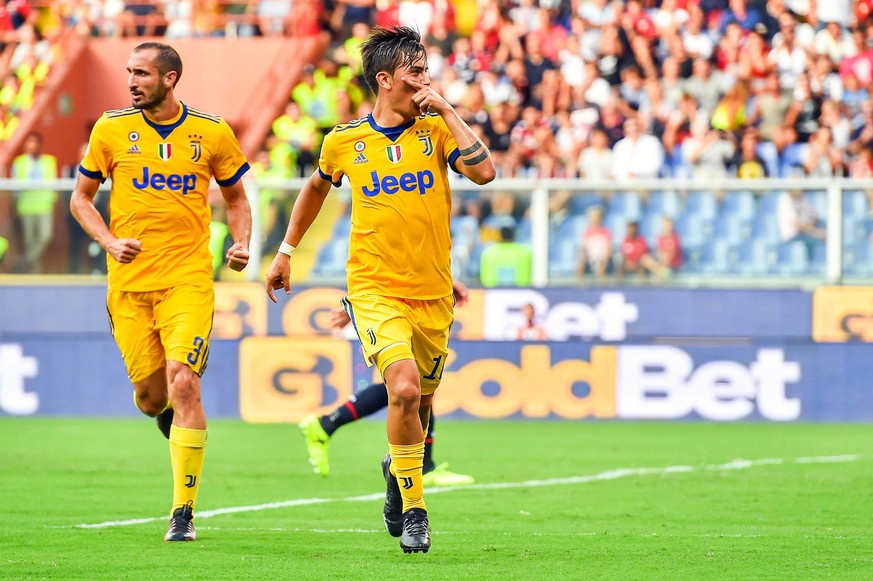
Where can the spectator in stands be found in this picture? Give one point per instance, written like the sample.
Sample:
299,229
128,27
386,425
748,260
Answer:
748,164
741,13
805,110
797,219
754,64
669,258
505,263
822,159
708,152
634,252
833,40
35,207
788,56
768,110
298,138
530,329
860,64
596,249
730,115
595,161
498,130
707,86
638,155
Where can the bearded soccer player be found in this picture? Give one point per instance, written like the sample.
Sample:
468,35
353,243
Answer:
399,270
161,154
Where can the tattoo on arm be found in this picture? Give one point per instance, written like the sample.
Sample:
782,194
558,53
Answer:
478,159
472,149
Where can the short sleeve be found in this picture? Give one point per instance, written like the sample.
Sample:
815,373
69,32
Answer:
228,162
327,167
97,163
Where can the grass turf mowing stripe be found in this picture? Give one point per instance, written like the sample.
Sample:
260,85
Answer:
738,464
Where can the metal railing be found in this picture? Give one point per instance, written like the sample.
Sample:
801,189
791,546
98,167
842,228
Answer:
538,192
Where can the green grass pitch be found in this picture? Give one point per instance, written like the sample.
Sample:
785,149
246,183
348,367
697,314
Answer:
553,500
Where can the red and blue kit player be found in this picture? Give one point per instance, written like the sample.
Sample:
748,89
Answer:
399,299
161,155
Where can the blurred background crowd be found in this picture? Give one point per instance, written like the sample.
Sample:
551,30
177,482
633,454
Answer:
591,89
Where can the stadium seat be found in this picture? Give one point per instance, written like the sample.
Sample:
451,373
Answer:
718,256
792,161
692,229
465,230
740,204
765,227
650,228
732,227
854,204
755,257
627,204
564,257
572,228
768,152
332,258
702,204
523,231
616,224
498,221
818,265
580,203
819,201
664,202
792,258
769,201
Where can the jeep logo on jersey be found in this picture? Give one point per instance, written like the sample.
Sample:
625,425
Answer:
159,181
394,153
408,182
165,150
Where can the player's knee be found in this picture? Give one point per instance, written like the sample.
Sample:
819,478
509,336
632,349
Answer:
151,406
184,388
406,394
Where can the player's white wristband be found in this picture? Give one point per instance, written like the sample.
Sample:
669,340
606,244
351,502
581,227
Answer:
286,249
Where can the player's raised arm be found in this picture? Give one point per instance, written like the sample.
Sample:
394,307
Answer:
303,214
475,161
239,221
82,206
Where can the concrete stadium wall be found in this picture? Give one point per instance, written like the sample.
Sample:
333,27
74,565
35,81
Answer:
718,355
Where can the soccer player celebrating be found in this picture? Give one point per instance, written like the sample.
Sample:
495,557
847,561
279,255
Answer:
161,154
399,268
317,430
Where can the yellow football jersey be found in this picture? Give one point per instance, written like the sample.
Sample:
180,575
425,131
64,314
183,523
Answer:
160,182
400,245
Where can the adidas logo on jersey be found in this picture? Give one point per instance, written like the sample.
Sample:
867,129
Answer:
361,159
133,149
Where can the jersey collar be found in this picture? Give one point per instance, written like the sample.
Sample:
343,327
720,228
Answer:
391,133
164,129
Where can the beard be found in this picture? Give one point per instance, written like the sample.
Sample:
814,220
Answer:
156,99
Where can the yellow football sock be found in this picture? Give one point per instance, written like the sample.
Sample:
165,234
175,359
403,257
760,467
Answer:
407,463
187,447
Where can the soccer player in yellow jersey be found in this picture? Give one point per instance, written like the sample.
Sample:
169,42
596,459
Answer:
161,155
399,270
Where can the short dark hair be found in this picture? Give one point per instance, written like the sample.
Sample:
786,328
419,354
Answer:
168,59
387,49
507,233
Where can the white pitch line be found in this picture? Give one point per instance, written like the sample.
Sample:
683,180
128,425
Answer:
738,464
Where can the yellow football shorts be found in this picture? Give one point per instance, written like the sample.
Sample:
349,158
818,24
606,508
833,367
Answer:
392,329
154,327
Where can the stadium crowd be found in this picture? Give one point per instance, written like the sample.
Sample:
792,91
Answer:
596,89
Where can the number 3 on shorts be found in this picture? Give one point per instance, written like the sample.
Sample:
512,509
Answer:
194,356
